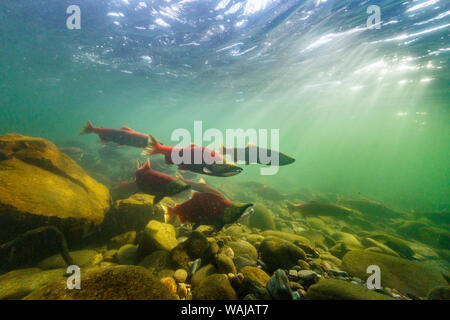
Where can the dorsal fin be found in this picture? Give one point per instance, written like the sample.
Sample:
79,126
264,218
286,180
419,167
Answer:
138,164
126,128
146,164
202,181
249,145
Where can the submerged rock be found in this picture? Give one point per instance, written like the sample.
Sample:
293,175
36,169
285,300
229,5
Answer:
253,288
404,275
43,186
122,239
157,261
255,274
19,283
82,258
439,293
202,274
109,283
157,236
244,249
225,264
278,253
214,287
127,254
278,286
261,218
333,289
133,213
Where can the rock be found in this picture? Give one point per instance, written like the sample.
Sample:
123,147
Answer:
241,262
255,274
244,249
439,293
109,283
318,239
287,236
254,238
350,241
330,258
180,275
170,284
398,245
182,290
197,245
226,250
278,286
339,250
82,258
333,289
277,253
404,275
110,256
225,264
433,236
42,186
127,254
122,239
19,283
133,213
157,261
202,274
237,230
261,218
194,266
157,236
368,242
252,287
303,264
205,230
214,287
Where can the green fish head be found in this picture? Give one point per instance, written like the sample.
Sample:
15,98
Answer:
236,211
177,186
222,169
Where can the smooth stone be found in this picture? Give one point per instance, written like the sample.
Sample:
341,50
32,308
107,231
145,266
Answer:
278,286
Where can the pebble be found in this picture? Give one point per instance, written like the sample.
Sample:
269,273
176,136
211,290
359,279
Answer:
195,266
180,275
296,295
338,273
307,275
293,274
278,286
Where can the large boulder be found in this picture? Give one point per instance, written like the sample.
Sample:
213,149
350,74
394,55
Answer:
333,289
278,253
39,185
215,287
404,275
108,283
133,213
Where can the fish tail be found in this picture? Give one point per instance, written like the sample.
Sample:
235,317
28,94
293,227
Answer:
152,146
169,212
88,128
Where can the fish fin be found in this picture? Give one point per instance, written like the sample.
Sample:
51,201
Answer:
168,212
146,165
138,164
88,128
152,146
157,199
206,170
179,176
202,181
126,128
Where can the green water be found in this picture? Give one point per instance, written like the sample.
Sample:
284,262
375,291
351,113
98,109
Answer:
364,115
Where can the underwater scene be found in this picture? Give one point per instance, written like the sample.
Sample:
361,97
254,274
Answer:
224,150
